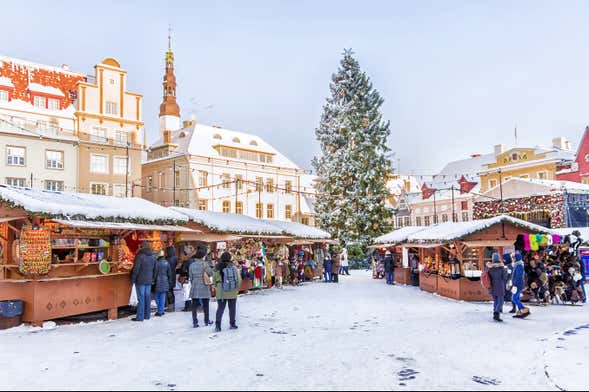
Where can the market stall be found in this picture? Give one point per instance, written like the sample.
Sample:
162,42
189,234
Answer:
254,242
66,254
453,255
402,257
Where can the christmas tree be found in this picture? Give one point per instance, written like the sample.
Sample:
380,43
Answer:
353,167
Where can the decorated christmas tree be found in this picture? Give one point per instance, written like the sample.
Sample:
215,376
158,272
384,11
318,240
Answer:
353,166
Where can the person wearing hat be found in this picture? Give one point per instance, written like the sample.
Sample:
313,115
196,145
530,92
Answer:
161,282
519,283
499,277
228,280
389,268
142,277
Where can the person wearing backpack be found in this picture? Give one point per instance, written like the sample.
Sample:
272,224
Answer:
228,281
498,276
200,291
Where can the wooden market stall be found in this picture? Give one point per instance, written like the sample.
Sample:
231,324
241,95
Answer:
393,242
453,255
248,238
67,254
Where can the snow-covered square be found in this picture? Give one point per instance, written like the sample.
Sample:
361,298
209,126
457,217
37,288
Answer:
358,335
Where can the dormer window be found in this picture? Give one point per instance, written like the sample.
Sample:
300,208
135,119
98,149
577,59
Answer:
182,135
254,143
217,136
236,140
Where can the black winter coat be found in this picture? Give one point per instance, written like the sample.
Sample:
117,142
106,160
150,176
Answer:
162,276
389,265
144,267
499,278
173,260
185,270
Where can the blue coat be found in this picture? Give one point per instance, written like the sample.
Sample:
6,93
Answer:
518,279
499,277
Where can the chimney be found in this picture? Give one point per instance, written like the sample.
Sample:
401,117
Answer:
499,149
561,143
167,137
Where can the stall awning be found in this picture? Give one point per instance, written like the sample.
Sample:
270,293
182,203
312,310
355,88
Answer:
206,237
10,219
424,246
123,226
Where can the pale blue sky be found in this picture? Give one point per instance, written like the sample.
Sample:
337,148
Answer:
456,76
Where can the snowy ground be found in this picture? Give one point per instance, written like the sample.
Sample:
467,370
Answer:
360,334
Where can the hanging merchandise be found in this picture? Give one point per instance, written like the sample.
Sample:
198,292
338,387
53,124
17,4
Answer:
528,245
35,250
534,246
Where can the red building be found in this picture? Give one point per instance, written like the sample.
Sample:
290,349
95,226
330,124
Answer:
578,171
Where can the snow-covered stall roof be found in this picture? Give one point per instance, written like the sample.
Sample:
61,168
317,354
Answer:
241,224
399,235
451,231
82,206
299,230
228,223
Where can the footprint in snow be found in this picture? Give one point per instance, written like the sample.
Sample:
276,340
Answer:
570,332
407,374
213,337
486,380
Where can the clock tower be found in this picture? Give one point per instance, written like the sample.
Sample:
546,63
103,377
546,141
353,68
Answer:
169,109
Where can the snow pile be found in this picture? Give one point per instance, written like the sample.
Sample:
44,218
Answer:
85,206
398,236
241,224
450,231
39,88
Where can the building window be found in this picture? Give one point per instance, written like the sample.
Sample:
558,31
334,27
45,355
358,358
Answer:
118,190
399,222
15,156
270,211
203,204
269,185
17,182
98,135
162,182
418,221
121,137
40,102
177,178
435,219
228,152
465,216
112,108
305,221
444,218
226,181
288,186
53,104
4,95
99,164
542,175
492,184
53,159
149,184
288,212
407,221
259,210
426,221
239,208
526,176
98,189
259,184
203,178
238,182
227,207
55,186
464,205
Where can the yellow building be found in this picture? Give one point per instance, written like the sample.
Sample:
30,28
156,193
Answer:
540,162
109,125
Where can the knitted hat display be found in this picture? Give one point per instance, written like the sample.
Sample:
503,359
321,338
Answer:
539,238
534,242
556,239
528,245
544,241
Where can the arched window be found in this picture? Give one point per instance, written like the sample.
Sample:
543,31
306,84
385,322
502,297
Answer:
253,143
217,136
236,140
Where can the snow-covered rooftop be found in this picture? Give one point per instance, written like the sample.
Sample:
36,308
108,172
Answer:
32,65
201,140
85,206
469,167
6,81
46,89
450,231
241,224
399,235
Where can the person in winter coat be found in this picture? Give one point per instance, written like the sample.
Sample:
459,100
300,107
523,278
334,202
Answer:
327,267
199,291
345,262
185,273
161,281
142,276
228,281
335,266
508,261
519,283
389,268
499,277
173,260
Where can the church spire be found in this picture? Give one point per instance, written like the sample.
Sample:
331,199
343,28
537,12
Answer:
169,109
